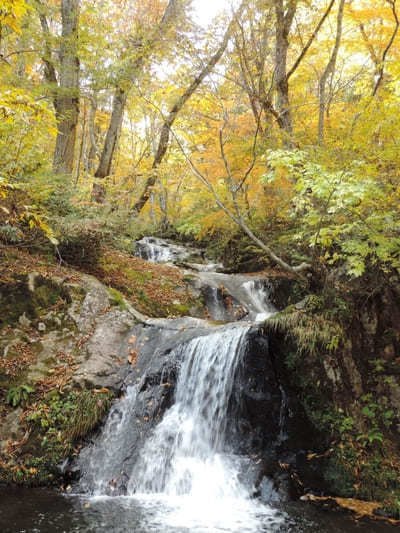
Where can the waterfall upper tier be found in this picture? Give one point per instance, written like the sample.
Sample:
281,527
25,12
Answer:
228,297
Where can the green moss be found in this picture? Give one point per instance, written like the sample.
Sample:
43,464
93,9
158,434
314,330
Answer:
179,309
117,298
33,297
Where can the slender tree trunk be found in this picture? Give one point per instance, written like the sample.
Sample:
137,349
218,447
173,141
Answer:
163,201
67,100
176,108
103,170
92,137
284,19
120,98
329,70
82,143
381,70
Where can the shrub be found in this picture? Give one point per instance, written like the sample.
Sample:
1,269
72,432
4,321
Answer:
81,243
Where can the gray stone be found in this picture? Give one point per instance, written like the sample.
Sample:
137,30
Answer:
24,321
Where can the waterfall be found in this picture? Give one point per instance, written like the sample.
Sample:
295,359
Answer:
154,250
186,472
186,452
180,442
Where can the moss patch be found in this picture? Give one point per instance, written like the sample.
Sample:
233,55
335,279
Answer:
156,290
30,295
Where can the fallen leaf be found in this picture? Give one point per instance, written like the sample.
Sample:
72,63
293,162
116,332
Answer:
360,507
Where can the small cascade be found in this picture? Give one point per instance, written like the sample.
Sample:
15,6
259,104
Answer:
154,250
158,250
258,296
102,465
237,297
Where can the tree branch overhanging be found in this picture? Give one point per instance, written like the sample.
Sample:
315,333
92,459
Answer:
310,40
295,270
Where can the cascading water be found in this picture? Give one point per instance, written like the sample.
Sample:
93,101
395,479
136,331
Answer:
187,464
184,468
102,464
154,250
246,297
185,455
258,296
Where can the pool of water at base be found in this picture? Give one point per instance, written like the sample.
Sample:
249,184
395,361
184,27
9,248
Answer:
46,511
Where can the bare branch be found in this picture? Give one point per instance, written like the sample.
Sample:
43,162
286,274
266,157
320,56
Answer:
329,70
254,156
389,45
310,40
296,270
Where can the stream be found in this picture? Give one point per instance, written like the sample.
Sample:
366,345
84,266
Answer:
181,451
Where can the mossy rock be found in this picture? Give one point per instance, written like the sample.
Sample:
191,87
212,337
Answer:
56,424
32,295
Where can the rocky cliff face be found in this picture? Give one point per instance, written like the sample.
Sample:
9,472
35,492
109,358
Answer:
61,339
341,356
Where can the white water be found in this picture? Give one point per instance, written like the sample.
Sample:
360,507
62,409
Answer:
104,458
186,463
253,295
155,250
185,455
258,297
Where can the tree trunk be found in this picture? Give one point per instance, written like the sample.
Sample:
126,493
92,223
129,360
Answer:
119,102
103,170
284,21
90,152
66,102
